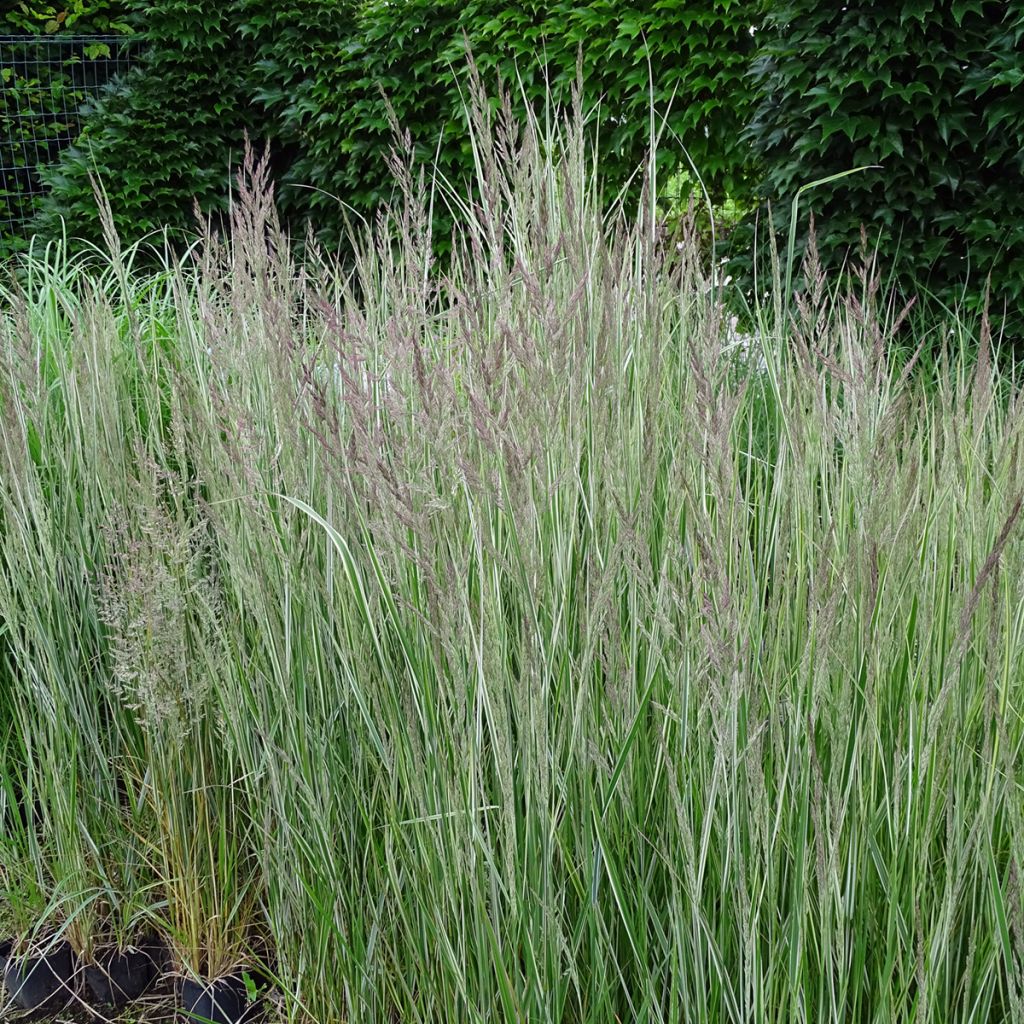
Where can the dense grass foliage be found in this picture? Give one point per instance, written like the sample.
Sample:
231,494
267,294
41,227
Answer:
502,640
926,96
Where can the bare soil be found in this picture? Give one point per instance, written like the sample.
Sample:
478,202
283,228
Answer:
156,1008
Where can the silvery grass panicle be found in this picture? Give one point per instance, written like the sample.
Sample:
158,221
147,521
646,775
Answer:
159,604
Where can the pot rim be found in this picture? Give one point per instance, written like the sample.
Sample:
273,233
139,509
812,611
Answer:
150,947
39,947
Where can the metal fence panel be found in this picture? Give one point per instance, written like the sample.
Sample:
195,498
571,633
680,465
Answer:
49,86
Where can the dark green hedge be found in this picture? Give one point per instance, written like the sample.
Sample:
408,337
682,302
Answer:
694,53
930,90
169,137
44,78
309,78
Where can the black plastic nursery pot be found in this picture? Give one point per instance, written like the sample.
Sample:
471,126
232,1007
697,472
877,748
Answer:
5,954
43,981
120,976
223,1001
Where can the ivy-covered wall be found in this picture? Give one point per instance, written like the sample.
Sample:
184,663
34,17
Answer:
315,79
929,95
688,58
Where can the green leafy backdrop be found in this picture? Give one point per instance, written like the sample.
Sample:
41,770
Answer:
689,58
315,80
82,17
928,90
39,102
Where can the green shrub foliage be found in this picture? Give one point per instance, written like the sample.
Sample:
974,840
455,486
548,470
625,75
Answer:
78,17
164,141
929,90
43,82
317,80
296,43
413,56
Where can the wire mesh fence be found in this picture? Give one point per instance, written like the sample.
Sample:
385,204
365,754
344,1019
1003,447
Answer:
49,87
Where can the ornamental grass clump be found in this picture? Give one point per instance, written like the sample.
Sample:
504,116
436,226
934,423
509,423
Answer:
594,673
490,639
64,762
118,754
161,615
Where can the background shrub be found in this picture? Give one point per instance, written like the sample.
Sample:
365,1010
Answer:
316,79
166,138
44,82
415,54
929,90
82,17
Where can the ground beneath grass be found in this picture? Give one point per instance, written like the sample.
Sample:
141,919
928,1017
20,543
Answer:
156,1008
